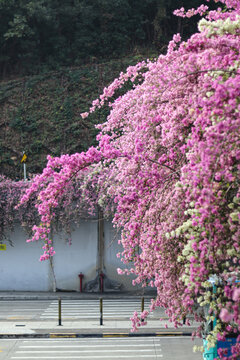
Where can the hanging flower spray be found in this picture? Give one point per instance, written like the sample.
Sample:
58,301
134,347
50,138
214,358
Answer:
169,159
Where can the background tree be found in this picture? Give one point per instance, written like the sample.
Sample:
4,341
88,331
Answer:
57,56
37,35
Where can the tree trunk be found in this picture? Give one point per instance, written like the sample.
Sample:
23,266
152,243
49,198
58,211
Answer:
54,282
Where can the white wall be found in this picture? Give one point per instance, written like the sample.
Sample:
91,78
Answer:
20,268
80,256
111,261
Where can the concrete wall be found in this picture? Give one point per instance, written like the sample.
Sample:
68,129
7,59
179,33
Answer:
20,268
80,256
111,261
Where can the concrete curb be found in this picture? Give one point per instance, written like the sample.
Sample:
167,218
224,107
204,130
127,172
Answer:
93,335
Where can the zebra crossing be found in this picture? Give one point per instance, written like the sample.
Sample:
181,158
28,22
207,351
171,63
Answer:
89,309
91,348
146,348
73,309
22,309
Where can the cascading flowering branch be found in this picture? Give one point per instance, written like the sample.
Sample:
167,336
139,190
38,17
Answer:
67,214
170,160
50,186
10,193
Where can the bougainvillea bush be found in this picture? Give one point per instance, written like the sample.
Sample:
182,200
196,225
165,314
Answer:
169,158
67,214
10,194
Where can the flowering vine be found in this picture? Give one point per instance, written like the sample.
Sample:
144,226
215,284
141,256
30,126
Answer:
169,159
10,194
67,214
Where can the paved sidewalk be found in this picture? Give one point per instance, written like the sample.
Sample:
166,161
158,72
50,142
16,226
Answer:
82,328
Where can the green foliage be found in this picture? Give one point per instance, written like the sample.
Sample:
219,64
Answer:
74,48
37,33
40,114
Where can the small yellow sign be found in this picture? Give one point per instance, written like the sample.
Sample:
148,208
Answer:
3,246
24,158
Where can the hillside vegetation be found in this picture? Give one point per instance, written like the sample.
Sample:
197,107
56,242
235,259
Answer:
56,57
40,114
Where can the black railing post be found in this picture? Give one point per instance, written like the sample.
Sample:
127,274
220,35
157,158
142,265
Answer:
101,311
142,307
59,312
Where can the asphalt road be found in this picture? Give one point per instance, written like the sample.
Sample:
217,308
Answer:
146,348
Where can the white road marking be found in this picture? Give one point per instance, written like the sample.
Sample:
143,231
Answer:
107,302
87,315
89,357
90,349
83,309
20,309
71,309
80,346
92,308
117,340
77,351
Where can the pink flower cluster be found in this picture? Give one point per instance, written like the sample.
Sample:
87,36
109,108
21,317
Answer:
169,158
10,194
201,10
50,187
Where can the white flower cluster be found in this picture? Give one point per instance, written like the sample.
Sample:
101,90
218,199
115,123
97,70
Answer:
235,206
219,27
